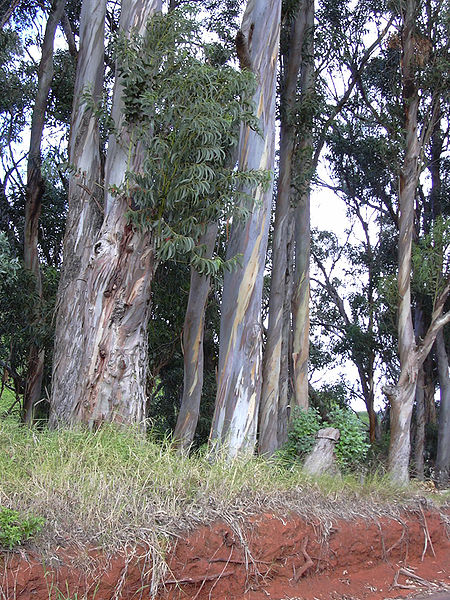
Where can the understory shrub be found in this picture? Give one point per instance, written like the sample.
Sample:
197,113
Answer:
15,529
353,445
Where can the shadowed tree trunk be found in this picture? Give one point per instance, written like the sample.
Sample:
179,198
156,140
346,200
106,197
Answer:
193,331
443,448
239,385
115,298
290,62
34,193
301,292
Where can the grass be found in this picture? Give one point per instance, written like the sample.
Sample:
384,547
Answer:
113,488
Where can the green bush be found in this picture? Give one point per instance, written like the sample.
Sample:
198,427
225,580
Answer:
352,448
14,529
302,433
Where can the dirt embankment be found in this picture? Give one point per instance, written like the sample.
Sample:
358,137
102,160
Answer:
264,557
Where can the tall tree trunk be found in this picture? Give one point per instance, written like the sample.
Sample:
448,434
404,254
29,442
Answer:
239,385
285,387
301,293
116,297
419,440
443,448
193,349
401,396
34,193
85,212
291,61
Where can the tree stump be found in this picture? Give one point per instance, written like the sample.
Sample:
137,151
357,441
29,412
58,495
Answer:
322,460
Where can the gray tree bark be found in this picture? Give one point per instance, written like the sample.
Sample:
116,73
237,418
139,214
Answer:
193,349
115,300
291,62
443,448
84,215
34,193
412,356
239,385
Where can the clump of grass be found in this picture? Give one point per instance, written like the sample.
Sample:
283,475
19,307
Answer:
112,487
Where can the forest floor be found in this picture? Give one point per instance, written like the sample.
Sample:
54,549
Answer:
126,518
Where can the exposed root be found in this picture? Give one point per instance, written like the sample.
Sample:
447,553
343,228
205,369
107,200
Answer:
411,575
427,534
308,562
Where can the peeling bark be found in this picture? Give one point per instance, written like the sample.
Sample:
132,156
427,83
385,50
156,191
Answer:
239,385
84,215
268,417
193,349
114,300
402,395
33,203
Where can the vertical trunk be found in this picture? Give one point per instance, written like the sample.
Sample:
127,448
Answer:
300,302
419,441
84,216
402,395
193,349
284,407
115,300
34,192
268,421
443,448
239,385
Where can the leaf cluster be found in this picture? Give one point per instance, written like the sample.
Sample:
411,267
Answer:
186,114
15,529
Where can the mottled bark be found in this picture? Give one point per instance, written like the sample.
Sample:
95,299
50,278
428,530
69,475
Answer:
33,203
443,448
84,215
239,384
402,395
115,300
301,292
291,61
193,349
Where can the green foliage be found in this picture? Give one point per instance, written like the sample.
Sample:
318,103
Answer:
186,114
15,529
352,448
431,259
302,433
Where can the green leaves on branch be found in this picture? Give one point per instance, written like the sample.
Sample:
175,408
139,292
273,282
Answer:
186,115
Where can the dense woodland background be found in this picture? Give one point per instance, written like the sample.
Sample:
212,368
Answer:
157,263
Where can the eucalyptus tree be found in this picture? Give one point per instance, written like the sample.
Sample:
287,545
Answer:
415,48
239,378
399,98
296,34
173,119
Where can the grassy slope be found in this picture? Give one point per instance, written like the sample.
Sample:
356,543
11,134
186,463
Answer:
110,488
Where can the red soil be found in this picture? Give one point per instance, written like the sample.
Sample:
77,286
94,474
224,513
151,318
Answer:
286,559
